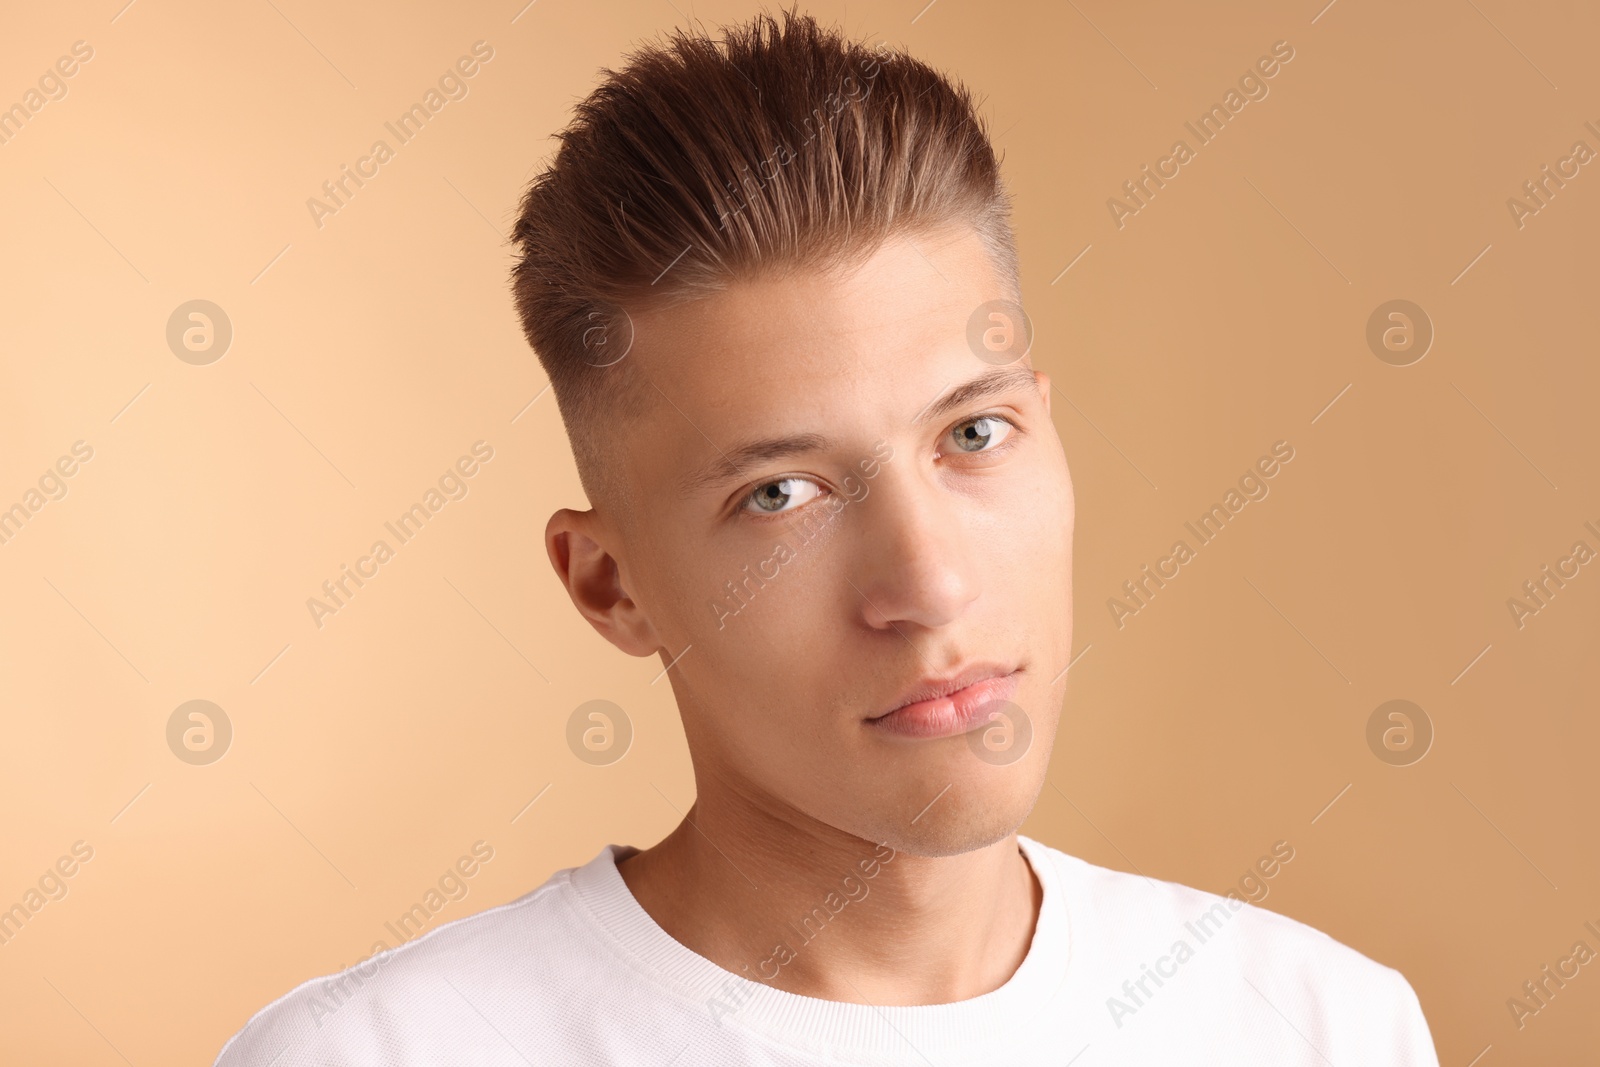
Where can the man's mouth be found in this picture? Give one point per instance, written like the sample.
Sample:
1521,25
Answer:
954,704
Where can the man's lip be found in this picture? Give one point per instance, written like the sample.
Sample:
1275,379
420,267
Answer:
962,711
933,688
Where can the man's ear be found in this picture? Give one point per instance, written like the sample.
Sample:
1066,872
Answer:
575,542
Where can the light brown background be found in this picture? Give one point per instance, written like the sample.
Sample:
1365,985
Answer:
369,754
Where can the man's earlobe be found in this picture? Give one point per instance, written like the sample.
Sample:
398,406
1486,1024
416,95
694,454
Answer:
589,572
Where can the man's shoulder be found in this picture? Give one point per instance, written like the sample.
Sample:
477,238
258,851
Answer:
1145,932
1120,900
358,1013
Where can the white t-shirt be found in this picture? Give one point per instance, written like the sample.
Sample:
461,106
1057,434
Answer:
1121,970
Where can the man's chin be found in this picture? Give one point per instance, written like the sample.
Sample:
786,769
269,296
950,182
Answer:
957,824
952,800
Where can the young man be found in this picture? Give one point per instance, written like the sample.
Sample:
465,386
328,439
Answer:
775,288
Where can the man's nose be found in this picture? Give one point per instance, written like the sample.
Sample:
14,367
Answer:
915,563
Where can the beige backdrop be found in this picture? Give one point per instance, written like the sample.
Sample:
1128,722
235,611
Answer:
373,346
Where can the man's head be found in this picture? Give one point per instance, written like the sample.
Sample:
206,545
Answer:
755,275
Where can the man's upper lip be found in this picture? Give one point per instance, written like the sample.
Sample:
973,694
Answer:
931,688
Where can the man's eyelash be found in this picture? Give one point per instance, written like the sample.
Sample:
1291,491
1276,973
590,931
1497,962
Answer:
744,497
997,416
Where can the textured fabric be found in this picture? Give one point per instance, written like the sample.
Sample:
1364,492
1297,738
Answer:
1122,969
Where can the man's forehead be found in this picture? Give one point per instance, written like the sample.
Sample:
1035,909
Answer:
911,297
761,369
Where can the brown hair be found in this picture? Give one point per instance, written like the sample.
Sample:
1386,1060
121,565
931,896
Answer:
787,147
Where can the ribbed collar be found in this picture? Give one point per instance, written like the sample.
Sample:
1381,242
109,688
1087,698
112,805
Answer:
887,1035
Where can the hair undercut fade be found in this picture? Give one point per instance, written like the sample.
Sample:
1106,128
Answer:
786,147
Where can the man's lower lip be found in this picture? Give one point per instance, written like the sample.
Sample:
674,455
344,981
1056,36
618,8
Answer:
960,712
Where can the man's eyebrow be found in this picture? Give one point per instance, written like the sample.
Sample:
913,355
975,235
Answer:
966,395
732,461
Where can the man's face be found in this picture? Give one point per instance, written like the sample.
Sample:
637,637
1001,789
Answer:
899,540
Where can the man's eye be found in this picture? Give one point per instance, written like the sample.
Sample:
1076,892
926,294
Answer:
978,435
775,497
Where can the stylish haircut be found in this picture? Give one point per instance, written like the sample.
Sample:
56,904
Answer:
696,165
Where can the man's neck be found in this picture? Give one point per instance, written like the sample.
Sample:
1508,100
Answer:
808,909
